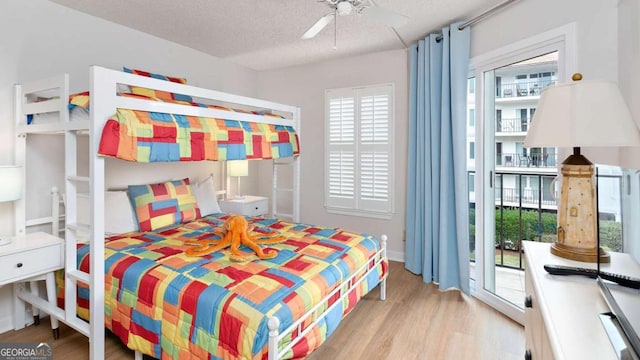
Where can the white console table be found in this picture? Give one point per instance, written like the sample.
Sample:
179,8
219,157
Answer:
561,312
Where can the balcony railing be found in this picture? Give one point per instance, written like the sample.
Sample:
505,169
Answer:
526,197
520,89
545,160
512,125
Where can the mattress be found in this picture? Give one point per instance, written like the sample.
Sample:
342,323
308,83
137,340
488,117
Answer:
166,304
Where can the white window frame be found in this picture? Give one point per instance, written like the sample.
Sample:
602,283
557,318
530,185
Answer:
357,206
472,117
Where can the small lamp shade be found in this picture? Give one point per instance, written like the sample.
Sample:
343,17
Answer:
582,113
10,183
577,114
238,167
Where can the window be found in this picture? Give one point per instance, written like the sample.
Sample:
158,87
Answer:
472,150
471,85
472,117
523,119
359,151
521,85
523,114
543,79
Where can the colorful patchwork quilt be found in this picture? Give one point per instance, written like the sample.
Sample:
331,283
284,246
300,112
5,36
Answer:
166,304
150,137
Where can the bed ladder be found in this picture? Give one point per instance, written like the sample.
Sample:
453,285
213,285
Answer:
280,190
75,186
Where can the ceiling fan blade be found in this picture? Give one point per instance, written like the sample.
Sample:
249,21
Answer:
384,16
318,26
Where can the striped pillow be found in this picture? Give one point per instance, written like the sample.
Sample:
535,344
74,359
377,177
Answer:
157,94
165,204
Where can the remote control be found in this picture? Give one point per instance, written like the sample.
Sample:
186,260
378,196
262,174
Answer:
626,281
622,280
570,270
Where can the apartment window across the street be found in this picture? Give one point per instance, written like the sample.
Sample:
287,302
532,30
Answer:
359,151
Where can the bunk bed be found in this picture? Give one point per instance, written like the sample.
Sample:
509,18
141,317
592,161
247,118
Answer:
284,333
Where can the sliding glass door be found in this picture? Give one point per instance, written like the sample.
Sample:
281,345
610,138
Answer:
512,199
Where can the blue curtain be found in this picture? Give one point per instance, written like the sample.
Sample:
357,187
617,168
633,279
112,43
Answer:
437,232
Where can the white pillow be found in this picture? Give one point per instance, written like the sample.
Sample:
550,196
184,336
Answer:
118,215
206,197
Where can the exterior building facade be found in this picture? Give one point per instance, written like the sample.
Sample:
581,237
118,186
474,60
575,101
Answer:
524,176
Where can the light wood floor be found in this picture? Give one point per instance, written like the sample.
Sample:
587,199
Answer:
417,321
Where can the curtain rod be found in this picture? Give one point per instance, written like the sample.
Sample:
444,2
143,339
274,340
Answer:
486,14
482,16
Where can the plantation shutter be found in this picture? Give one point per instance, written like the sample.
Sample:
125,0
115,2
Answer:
359,151
374,146
341,165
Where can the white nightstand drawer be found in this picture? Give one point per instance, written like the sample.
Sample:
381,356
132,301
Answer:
21,265
248,205
257,208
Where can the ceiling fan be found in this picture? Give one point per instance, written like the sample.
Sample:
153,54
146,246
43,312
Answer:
361,7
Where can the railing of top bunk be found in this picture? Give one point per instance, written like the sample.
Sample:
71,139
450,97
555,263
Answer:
104,102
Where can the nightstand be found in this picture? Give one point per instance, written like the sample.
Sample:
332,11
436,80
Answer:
561,312
31,258
248,205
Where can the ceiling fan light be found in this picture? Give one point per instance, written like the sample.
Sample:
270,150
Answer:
344,8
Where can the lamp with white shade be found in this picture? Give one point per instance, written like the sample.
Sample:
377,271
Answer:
10,189
238,168
576,114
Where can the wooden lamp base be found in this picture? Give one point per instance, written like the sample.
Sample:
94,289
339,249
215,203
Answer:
577,212
579,254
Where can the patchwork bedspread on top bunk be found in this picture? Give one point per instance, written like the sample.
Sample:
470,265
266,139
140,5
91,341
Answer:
151,136
169,305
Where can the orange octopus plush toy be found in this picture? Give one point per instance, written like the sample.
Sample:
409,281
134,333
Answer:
234,233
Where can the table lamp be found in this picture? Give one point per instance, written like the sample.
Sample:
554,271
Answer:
10,189
238,168
575,114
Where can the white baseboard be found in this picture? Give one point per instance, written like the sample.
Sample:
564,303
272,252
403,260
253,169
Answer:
395,255
6,322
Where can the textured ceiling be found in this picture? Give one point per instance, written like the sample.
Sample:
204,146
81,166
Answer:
265,34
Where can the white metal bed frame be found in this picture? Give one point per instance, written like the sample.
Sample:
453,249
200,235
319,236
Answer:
104,102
